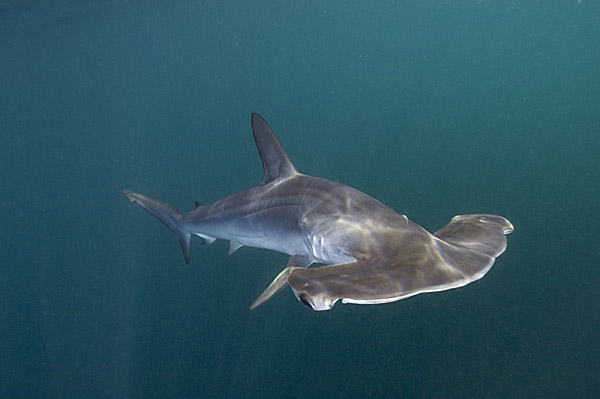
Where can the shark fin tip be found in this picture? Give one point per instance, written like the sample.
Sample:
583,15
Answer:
276,285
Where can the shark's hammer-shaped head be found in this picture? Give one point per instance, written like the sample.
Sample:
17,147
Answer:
311,293
306,291
319,301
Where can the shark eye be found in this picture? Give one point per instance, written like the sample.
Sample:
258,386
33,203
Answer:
305,302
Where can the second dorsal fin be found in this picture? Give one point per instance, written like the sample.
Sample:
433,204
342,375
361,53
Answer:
275,161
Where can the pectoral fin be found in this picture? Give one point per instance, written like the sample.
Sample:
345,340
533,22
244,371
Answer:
278,283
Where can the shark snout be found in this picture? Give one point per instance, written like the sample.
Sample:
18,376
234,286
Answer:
316,302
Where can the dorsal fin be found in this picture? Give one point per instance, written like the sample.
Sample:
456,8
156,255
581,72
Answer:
275,161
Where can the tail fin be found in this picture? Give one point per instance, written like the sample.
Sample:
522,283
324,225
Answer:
481,233
168,214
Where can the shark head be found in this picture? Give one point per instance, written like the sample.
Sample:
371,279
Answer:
318,301
307,292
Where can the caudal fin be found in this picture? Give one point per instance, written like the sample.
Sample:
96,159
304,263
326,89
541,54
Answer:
168,214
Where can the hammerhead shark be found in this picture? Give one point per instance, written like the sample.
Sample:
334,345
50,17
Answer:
371,253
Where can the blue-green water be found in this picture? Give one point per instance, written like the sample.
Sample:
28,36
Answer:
436,108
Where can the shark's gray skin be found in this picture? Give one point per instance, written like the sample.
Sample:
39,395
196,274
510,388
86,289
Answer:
373,254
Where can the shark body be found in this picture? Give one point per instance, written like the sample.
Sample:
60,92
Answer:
373,254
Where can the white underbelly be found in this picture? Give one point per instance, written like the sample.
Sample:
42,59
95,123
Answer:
287,244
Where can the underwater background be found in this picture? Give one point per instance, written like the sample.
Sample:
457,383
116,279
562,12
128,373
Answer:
436,108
